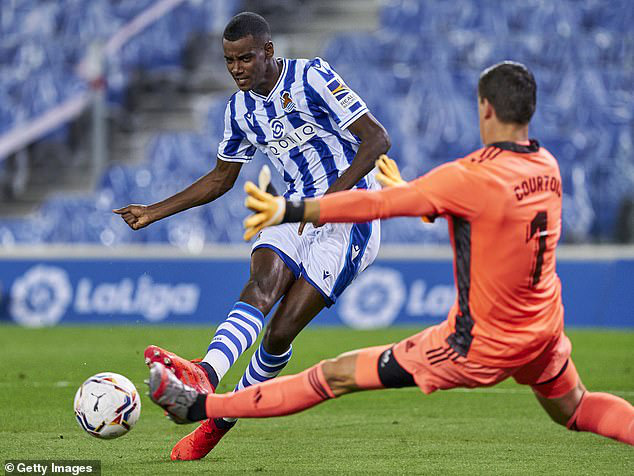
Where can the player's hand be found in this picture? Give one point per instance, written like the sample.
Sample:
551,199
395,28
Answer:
136,216
268,210
388,175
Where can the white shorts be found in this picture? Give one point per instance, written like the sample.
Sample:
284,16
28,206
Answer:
328,257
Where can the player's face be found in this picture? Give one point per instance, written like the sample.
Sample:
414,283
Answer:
246,61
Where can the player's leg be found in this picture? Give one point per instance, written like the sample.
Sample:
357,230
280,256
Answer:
331,257
341,250
297,308
364,369
560,408
596,412
269,279
273,269
558,388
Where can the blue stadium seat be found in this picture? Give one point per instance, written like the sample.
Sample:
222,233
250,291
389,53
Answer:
417,73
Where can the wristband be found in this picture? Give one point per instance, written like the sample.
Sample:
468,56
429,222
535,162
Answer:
294,212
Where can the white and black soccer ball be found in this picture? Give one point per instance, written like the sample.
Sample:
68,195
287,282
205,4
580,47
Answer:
107,405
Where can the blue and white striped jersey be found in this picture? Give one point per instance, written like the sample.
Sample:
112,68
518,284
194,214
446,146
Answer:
301,126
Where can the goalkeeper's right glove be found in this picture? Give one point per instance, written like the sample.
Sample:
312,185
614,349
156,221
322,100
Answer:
390,176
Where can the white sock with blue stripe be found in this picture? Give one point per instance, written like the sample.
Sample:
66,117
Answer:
235,335
263,367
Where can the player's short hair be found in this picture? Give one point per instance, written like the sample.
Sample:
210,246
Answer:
511,89
245,24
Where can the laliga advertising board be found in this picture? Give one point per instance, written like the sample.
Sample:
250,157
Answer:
200,291
37,293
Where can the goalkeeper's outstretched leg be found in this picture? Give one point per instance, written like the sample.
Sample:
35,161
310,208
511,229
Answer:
415,361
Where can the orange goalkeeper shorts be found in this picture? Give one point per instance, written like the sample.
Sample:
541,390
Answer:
434,365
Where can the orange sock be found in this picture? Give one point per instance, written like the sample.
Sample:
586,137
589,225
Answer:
280,396
604,414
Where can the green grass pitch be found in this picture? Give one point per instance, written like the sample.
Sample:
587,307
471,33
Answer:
493,431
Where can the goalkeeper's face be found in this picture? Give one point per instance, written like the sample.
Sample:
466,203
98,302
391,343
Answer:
246,60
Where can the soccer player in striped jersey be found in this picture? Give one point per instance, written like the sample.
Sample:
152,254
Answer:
503,206
320,136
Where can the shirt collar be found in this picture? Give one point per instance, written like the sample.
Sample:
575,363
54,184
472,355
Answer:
532,147
280,80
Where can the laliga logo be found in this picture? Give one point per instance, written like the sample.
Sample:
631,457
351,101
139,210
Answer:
374,299
44,294
377,297
40,297
154,301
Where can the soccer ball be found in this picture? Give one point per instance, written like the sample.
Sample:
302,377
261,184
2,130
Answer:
107,405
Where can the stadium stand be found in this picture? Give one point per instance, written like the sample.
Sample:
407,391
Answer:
417,72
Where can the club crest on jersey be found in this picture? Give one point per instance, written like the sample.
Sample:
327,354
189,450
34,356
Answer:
287,102
342,93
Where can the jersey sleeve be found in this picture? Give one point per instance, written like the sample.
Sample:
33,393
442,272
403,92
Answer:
447,190
327,90
358,206
234,146
454,189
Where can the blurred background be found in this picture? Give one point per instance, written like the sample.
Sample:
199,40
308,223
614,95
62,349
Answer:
105,103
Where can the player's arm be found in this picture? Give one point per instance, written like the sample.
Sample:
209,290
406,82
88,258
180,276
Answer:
450,189
356,206
204,190
349,111
374,142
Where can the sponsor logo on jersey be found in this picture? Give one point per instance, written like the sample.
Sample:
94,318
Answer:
355,252
277,128
342,93
294,138
287,102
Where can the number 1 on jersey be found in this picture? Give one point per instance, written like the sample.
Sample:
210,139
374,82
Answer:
539,224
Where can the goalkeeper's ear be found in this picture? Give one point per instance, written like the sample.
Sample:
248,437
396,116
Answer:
264,181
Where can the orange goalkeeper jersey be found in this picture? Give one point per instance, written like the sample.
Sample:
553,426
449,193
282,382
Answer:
503,207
